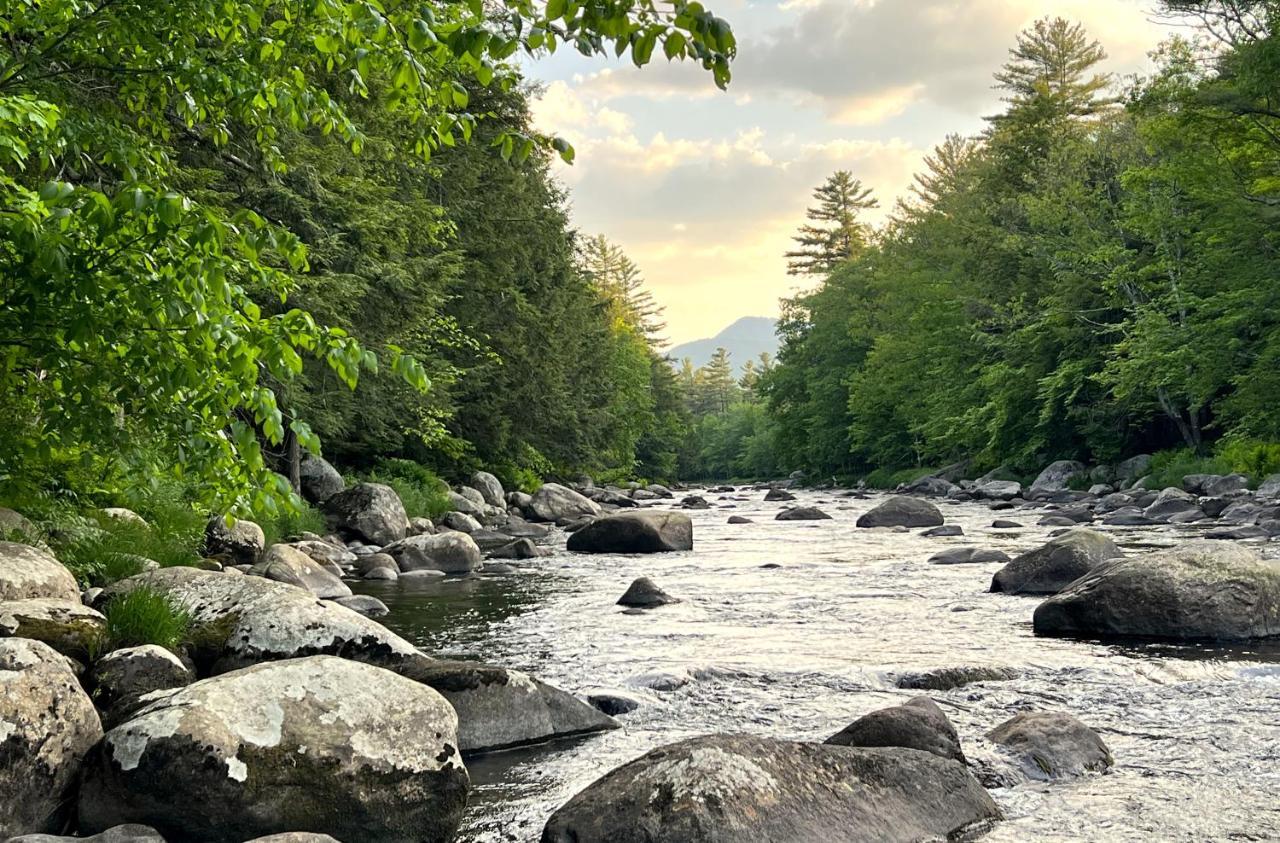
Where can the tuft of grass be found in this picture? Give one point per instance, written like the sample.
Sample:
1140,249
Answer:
423,494
145,615
287,524
113,549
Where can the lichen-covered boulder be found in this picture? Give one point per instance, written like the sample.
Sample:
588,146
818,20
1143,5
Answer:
240,543
1202,590
554,502
997,490
320,480
490,488
499,708
642,531
450,552
128,833
916,724
371,512
1056,564
735,788
68,626
121,678
247,620
902,512
319,744
47,726
27,572
291,566
1056,476
1045,745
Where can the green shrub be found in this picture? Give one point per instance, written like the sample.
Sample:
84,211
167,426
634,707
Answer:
102,549
892,478
423,493
286,524
145,615
1169,467
1252,457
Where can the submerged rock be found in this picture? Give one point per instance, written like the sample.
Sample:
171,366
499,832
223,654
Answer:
944,530
1201,590
645,531
778,495
740,519
902,512
644,593
1053,566
736,788
27,572
1047,745
320,743
968,556
916,724
614,703
803,513
949,678
47,727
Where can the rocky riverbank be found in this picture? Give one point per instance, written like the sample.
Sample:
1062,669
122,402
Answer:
382,733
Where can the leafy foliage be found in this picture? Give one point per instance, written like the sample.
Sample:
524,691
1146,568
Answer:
145,615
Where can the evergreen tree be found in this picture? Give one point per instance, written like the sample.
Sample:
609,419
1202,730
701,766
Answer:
835,233
718,383
619,279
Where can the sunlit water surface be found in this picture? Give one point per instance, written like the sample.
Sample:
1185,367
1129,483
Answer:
801,650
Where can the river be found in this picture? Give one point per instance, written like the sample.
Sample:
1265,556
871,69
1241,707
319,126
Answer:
799,651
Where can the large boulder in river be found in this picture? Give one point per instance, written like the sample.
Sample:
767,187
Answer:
997,490
27,572
319,744
128,833
1053,566
554,502
68,626
1201,590
246,620
734,788
802,513
644,593
1171,501
902,512
916,724
47,726
240,543
1133,469
499,708
450,553
930,486
643,531
370,511
289,565
490,489
1048,745
320,480
1056,476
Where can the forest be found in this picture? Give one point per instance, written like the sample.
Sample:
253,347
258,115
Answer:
1092,277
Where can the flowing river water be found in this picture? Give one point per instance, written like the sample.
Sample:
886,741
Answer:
801,650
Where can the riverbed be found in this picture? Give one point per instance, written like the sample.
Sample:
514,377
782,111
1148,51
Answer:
800,650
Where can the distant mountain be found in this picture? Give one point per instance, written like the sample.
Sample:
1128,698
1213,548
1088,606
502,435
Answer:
744,340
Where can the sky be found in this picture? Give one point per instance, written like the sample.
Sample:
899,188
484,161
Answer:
704,188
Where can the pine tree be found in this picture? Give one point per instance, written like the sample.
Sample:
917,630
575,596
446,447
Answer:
835,234
1050,70
718,384
619,279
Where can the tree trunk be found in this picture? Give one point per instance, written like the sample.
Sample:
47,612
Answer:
294,456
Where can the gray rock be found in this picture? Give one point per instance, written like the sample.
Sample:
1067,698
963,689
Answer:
614,703
331,556
930,486
1169,502
916,724
370,607
778,495
950,678
968,556
1056,521
694,502
68,626
451,553
902,512
1005,524
1269,488
1053,566
121,678
27,572
130,833
1197,591
554,502
1056,476
461,503
1133,468
944,530
489,487
365,565
1225,486
998,490
645,594
518,549
48,726
499,708
421,526
1128,518
258,620
473,495
12,522
321,743
1049,745
802,513
370,511
286,564
460,522
737,788
644,531
320,480
1100,489
295,837
740,519
241,543
128,516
